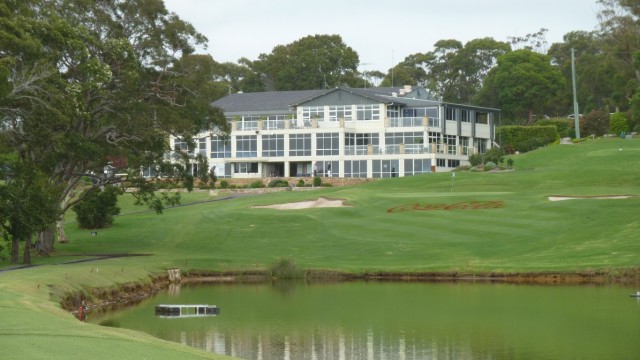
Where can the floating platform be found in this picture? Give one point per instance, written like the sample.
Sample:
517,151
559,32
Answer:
184,311
636,295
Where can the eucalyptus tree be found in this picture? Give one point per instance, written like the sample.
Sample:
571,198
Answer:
90,81
453,71
312,62
522,84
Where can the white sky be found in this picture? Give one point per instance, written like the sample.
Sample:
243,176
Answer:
382,32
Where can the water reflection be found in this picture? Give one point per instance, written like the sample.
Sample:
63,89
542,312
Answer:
401,321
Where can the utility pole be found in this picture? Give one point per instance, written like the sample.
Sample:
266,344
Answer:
576,113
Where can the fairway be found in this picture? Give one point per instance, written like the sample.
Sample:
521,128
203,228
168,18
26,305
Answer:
518,229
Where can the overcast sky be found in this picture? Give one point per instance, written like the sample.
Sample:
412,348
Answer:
382,32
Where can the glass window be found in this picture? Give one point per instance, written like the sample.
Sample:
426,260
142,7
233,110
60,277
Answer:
464,116
340,112
414,137
451,144
482,118
355,169
244,168
453,163
327,144
362,139
220,148
272,145
416,166
246,146
312,112
300,145
385,168
450,114
441,162
367,112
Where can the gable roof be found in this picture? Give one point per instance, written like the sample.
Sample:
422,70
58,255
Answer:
284,101
263,101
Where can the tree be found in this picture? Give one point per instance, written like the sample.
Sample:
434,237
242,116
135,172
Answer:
98,208
83,89
452,71
312,62
28,203
522,83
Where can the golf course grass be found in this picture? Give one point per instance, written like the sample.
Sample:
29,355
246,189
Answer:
473,223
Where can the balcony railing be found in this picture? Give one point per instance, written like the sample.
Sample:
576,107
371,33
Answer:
413,122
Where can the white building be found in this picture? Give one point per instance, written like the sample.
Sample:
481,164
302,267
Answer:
344,132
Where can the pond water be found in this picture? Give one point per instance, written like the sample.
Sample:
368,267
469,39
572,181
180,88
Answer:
358,320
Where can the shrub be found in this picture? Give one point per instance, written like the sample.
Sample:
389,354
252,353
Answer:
317,181
618,123
475,159
594,123
278,183
256,184
509,163
224,184
285,268
97,210
490,166
301,182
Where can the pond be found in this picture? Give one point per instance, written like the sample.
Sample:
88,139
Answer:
363,320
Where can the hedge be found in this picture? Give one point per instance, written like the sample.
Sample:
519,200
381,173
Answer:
526,138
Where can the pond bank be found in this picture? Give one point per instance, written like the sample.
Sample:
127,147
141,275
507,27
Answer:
96,299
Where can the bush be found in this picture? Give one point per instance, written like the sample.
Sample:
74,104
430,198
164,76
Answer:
317,181
97,210
301,182
256,184
490,166
618,123
278,183
594,123
224,184
285,268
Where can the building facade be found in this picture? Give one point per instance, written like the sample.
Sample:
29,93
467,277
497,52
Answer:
344,132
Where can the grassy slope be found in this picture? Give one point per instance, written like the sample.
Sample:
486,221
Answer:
529,234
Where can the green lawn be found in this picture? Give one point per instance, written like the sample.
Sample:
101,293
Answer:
528,233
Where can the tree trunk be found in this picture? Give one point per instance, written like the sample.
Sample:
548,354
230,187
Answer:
44,245
62,236
26,257
15,249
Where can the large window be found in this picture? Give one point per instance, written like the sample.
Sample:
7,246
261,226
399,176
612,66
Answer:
327,168
384,168
340,112
180,145
246,146
482,118
272,145
355,169
300,145
464,116
327,144
361,139
416,166
416,137
313,112
450,114
220,148
451,144
202,146
244,168
420,112
368,112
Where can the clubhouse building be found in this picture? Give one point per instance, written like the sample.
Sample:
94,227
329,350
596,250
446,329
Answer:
344,132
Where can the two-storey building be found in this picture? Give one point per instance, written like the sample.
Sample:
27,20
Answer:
344,132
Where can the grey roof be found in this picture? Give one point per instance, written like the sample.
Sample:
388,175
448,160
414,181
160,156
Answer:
263,101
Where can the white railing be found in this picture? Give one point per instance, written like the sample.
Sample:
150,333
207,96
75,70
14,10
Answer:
356,149
248,125
413,122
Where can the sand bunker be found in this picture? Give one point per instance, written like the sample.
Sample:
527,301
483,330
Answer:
561,198
319,203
